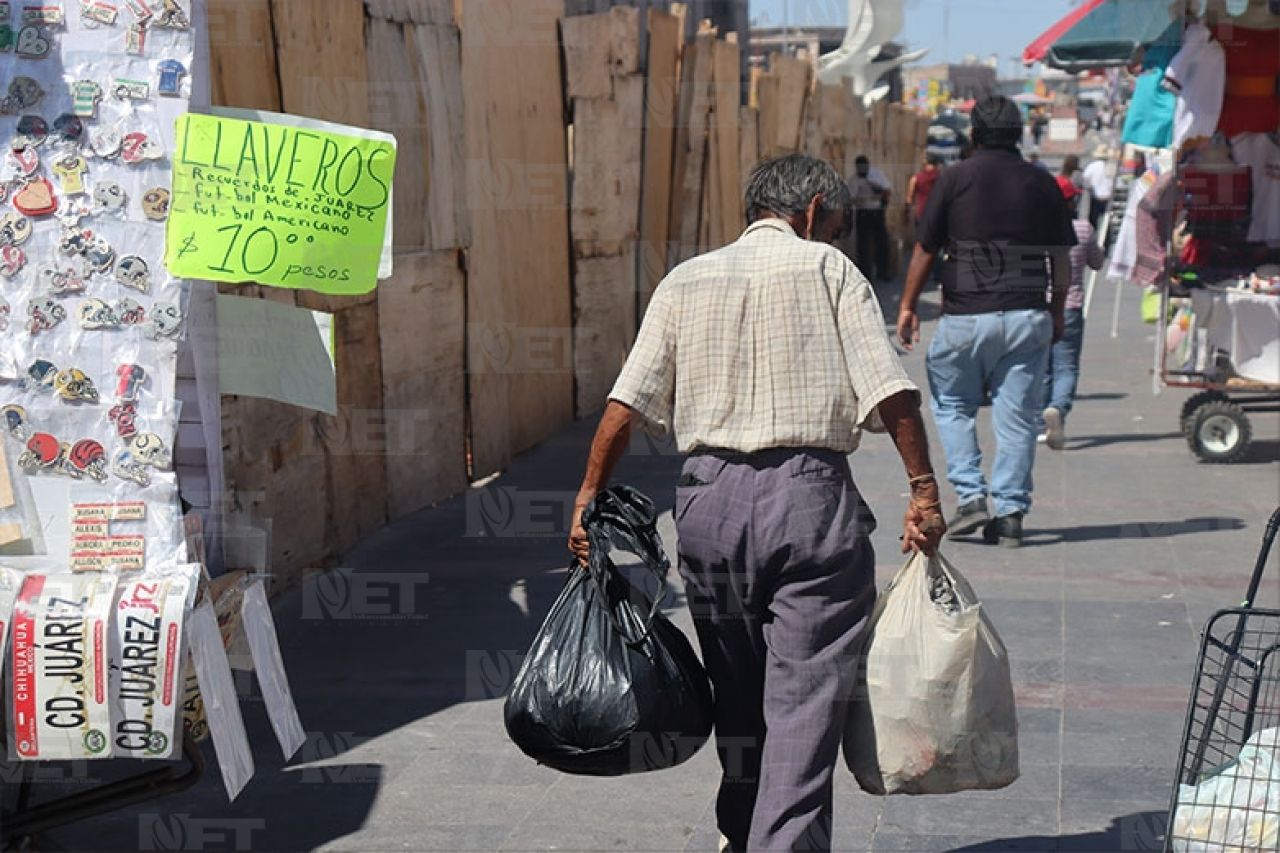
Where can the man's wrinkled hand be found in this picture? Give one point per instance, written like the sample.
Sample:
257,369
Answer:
579,545
922,530
908,329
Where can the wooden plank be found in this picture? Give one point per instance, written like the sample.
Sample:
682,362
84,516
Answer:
608,143
422,327
793,92
518,291
321,51
320,47
624,41
665,38
710,225
749,142
768,93
728,95
436,54
604,326
587,56
599,48
355,441
243,55
691,147
411,11
396,106
272,465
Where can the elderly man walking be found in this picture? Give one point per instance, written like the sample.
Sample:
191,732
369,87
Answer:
1005,235
768,358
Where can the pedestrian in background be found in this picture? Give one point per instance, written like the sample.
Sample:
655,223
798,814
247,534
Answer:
921,185
1097,178
1063,375
871,193
768,358
1006,235
1067,182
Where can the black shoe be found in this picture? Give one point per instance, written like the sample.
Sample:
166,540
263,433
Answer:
1006,530
969,518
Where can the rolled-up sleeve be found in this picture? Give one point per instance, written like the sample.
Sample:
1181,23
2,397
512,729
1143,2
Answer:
647,383
875,369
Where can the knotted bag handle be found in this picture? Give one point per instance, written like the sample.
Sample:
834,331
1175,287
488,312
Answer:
624,518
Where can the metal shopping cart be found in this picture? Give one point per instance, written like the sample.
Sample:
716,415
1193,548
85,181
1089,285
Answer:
1227,794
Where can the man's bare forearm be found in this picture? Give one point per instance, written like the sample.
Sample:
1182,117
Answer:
610,442
901,416
917,275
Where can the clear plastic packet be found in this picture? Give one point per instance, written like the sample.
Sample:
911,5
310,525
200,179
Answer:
218,694
147,657
59,705
260,629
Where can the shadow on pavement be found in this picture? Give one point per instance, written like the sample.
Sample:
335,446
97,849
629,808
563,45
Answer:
1132,833
1100,396
433,613
1092,441
1131,530
1261,452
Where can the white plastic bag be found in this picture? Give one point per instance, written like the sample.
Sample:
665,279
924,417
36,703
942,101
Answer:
935,711
1237,808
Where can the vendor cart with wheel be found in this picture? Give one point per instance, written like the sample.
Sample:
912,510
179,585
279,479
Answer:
1223,344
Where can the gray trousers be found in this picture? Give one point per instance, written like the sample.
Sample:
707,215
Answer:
780,578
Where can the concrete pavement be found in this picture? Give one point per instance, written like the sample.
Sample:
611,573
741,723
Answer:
398,664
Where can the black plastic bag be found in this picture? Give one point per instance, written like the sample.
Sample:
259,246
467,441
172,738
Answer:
610,686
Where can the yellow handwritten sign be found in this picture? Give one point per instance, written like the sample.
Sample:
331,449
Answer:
286,206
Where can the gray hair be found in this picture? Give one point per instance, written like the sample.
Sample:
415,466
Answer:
785,186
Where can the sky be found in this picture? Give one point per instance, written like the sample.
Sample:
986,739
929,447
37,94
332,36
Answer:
980,27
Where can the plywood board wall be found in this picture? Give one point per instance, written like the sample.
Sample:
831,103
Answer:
518,286
422,319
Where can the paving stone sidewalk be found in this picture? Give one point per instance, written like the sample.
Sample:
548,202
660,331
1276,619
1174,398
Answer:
398,664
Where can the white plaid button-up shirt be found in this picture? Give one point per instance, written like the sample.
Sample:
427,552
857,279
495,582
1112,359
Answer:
772,341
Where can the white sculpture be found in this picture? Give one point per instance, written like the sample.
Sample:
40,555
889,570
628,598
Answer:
872,23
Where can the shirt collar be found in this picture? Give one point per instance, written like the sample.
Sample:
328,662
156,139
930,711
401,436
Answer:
771,223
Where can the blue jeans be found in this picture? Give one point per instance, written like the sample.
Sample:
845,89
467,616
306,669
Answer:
1006,352
1063,375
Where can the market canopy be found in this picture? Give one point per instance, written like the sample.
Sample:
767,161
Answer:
1100,33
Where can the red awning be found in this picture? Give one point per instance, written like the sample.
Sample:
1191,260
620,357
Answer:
1038,48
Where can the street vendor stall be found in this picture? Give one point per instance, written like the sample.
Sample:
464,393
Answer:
1219,289
123,201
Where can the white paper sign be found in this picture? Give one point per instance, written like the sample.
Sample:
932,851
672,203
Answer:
280,352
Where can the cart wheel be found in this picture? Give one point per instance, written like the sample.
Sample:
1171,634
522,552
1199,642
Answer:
1191,408
1220,433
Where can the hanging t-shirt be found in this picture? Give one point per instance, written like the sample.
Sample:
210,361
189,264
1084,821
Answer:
1150,118
1198,76
1261,153
1251,103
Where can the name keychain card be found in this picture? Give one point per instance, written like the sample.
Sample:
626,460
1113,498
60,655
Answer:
60,704
146,667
